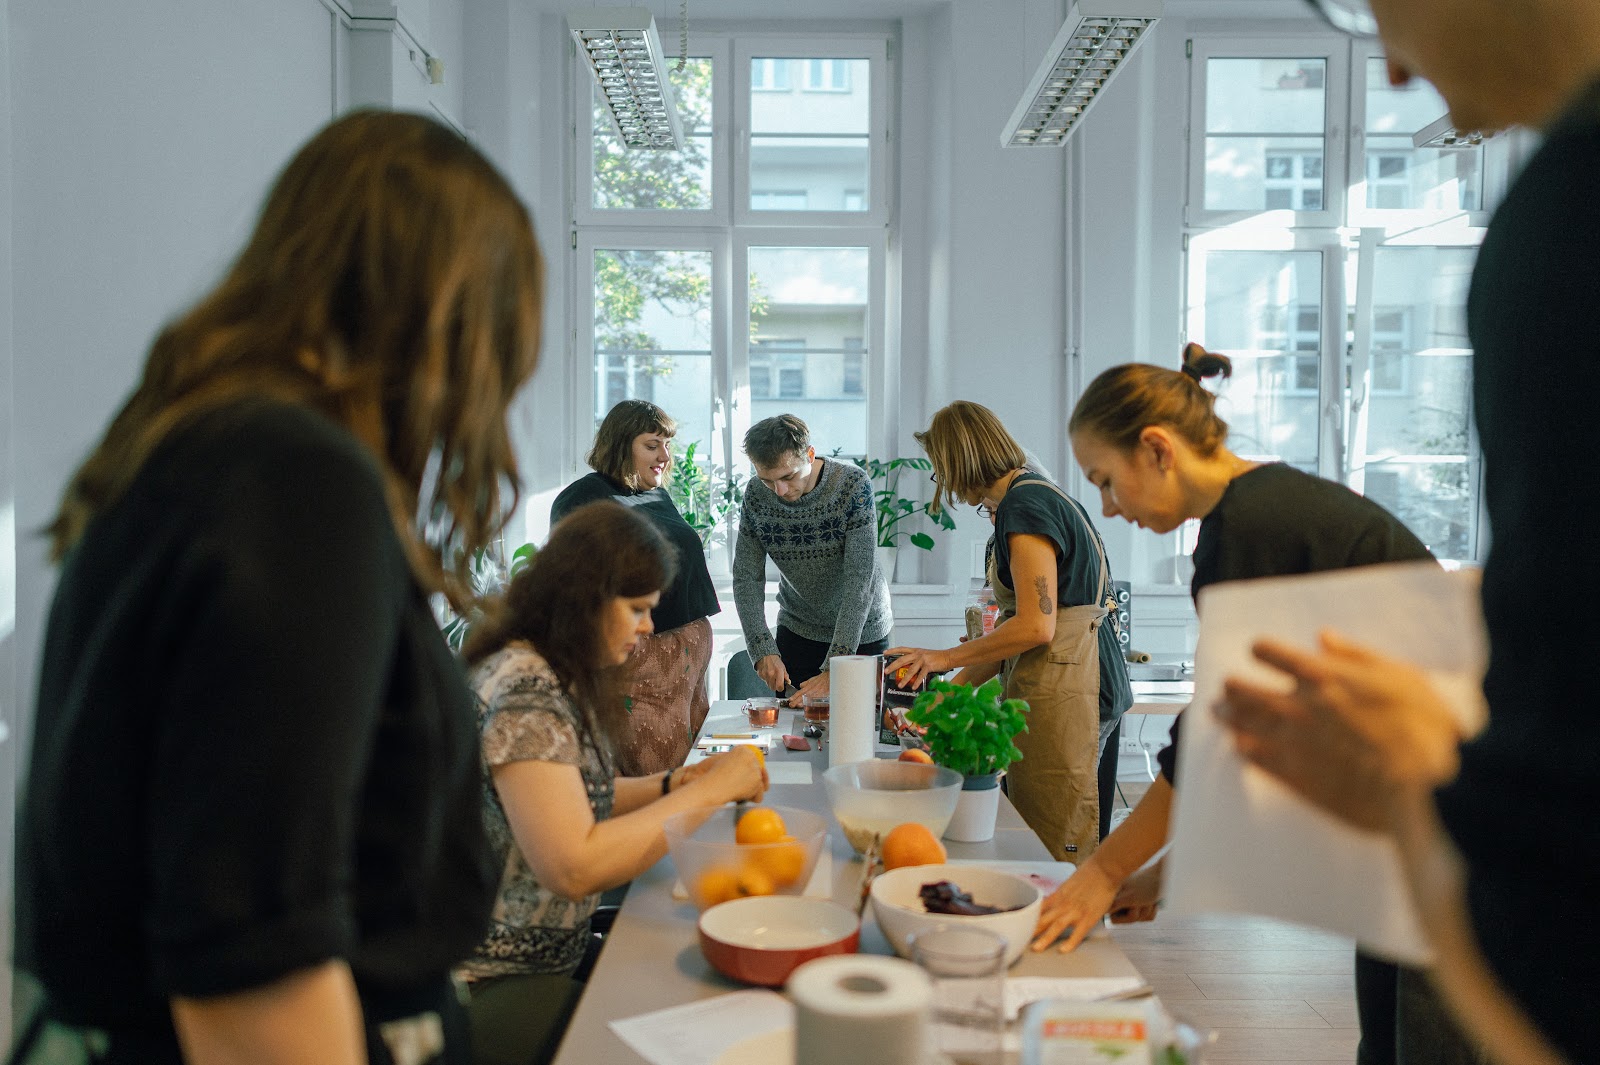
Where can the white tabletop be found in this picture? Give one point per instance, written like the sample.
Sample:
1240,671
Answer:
652,959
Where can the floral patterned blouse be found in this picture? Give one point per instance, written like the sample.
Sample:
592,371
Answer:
524,714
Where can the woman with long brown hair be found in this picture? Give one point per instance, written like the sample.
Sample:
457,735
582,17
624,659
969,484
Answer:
550,673
251,828
667,699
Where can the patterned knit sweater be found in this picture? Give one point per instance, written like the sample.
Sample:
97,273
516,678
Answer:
830,588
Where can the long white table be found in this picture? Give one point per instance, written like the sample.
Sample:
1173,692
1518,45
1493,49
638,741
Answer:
652,958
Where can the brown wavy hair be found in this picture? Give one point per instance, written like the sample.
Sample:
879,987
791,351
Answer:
612,453
600,552
1120,403
392,282
970,450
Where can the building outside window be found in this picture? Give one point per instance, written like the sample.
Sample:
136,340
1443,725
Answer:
1329,259
743,276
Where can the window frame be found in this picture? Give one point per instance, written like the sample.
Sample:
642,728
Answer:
1335,92
875,49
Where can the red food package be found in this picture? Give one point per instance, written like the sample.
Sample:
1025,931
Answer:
797,743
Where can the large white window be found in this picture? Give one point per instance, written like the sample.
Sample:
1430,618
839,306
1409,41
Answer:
742,277
1330,258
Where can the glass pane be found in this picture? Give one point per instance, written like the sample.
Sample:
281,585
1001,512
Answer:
1263,310
652,336
1400,177
1264,174
1418,430
808,321
809,134
1265,121
652,180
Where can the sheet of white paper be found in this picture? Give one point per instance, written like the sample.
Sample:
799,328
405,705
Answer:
1243,842
700,1032
788,772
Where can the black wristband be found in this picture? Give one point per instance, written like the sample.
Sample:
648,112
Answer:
666,782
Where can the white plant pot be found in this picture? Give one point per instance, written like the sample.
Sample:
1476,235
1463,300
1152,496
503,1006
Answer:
886,556
976,809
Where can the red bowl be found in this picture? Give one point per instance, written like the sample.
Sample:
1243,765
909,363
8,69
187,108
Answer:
761,940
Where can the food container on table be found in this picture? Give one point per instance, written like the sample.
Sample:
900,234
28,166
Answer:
816,708
714,868
762,940
898,907
870,798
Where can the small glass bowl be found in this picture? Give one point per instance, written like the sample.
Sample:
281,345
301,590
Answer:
815,709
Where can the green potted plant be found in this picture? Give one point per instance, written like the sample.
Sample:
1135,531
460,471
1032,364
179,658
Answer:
705,494
490,575
893,508
973,731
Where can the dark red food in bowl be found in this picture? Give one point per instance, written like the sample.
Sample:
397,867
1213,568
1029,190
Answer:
762,940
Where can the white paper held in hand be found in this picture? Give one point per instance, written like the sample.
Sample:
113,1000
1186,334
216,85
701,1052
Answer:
1242,841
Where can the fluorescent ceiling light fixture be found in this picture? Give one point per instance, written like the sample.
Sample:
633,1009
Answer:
1096,39
1441,134
622,49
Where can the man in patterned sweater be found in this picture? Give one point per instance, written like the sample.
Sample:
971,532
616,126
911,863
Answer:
815,518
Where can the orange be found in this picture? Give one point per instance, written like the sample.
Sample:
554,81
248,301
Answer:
916,754
783,862
716,885
755,881
760,825
911,844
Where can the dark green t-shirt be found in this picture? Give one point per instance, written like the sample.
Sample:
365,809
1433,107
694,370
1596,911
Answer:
1032,506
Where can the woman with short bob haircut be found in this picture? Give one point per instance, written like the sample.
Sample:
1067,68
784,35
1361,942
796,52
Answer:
1054,645
251,827
631,459
1149,438
549,670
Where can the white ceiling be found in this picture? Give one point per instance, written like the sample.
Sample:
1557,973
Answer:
666,11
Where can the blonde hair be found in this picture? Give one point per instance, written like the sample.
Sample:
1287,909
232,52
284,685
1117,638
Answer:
612,453
969,449
392,282
1123,401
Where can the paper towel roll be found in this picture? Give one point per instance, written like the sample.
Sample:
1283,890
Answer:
860,1009
854,682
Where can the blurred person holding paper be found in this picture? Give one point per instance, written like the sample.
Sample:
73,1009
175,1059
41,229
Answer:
1498,849
1150,440
548,670
1054,644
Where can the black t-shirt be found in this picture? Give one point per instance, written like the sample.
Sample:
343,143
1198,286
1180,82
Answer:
1522,809
692,595
253,750
1031,506
1276,521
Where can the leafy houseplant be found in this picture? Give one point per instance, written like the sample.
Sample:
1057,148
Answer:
893,508
490,575
970,730
703,493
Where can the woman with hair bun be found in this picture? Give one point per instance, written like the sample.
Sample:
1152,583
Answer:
1150,440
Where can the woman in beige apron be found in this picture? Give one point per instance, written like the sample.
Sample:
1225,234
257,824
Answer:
1049,643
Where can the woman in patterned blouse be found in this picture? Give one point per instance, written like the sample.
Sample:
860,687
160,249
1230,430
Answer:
551,694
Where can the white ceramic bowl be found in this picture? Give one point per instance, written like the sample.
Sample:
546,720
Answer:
899,910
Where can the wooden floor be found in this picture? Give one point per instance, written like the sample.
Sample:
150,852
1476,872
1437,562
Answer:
1274,993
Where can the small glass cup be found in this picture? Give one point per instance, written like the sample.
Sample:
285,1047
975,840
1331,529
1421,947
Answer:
968,970
815,708
761,712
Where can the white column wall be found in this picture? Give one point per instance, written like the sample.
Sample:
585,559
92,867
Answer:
9,710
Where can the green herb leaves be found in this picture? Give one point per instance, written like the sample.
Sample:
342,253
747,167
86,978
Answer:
969,730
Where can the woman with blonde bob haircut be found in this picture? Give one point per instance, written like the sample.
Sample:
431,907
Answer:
667,698
1054,644
252,827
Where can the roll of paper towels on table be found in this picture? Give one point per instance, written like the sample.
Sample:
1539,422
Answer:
860,1009
854,682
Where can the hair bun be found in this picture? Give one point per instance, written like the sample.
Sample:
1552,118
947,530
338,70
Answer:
1198,363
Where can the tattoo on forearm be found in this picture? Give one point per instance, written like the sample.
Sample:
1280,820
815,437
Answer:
1039,585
